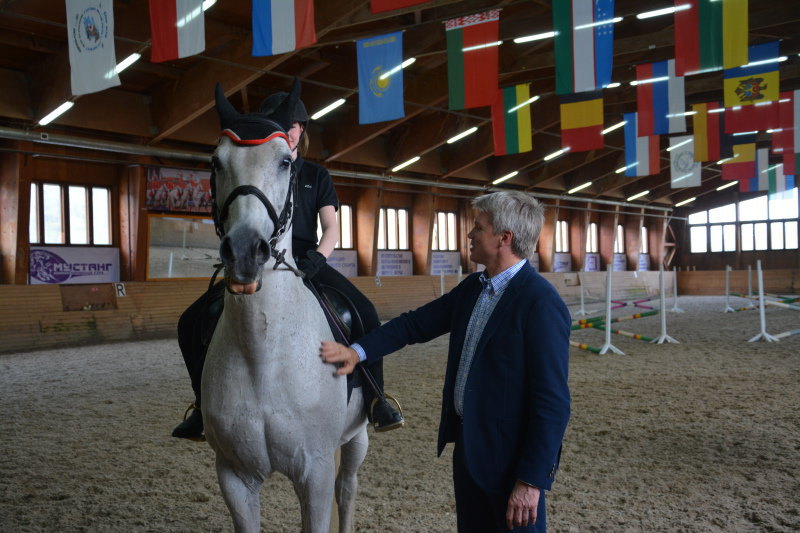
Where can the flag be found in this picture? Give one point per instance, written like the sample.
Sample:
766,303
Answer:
379,6
759,180
750,91
92,59
684,170
582,121
641,153
281,26
710,35
584,49
786,139
177,29
472,59
711,143
661,104
777,181
511,120
380,98
742,163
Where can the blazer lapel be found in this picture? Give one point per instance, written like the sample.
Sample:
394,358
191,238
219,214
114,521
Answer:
504,306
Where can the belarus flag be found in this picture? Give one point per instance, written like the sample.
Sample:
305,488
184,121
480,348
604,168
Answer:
177,28
281,26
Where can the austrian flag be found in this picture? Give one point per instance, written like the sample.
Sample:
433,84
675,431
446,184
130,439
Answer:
177,29
472,59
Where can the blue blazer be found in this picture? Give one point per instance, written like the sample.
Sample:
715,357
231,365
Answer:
516,401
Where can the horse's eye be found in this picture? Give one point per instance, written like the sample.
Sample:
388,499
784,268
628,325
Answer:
215,163
286,163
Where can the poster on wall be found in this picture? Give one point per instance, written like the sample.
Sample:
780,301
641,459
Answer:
644,262
592,263
446,263
73,264
620,263
344,261
178,190
394,263
562,262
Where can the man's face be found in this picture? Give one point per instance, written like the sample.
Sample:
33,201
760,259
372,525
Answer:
483,243
294,135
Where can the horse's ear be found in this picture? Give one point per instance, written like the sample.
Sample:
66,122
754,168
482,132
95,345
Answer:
284,114
227,114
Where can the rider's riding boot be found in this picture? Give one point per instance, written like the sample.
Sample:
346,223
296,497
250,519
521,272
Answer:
384,417
192,426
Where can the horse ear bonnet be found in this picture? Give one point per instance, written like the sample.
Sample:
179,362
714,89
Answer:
252,128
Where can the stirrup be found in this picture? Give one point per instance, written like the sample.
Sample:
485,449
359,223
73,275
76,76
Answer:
387,397
192,406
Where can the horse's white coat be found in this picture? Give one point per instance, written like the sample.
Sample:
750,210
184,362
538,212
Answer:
269,402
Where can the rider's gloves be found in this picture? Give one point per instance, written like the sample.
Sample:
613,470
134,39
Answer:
311,263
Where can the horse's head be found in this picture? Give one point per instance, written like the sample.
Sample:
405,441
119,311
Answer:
252,180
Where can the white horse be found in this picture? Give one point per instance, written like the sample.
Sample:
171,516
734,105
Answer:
269,402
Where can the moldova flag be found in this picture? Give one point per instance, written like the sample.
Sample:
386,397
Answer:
281,26
660,99
584,46
641,153
511,120
177,29
582,121
472,44
710,35
751,92
786,139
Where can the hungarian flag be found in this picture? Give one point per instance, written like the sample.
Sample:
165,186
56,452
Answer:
379,6
710,35
684,170
742,163
660,99
751,92
472,59
711,143
584,45
511,120
786,139
582,121
281,26
177,29
641,153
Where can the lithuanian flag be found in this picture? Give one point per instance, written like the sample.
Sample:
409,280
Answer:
472,44
710,34
511,120
582,121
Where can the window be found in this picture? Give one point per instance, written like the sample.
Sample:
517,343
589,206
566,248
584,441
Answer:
393,229
70,214
644,247
345,219
562,236
591,238
619,240
444,232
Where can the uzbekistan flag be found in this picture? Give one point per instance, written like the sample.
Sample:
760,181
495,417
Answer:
742,163
281,26
660,99
641,153
177,29
379,6
751,91
710,35
582,121
472,59
710,141
511,120
584,47
786,139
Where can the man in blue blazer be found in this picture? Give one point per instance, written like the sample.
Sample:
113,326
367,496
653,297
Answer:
506,400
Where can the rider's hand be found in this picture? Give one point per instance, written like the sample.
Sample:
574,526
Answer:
311,263
339,354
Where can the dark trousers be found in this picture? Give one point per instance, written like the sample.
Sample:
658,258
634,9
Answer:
196,327
478,511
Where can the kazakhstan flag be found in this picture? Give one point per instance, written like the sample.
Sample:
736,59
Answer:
380,78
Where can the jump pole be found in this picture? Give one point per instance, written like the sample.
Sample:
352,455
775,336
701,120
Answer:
626,333
663,337
763,335
750,282
675,308
607,345
584,347
728,308
582,311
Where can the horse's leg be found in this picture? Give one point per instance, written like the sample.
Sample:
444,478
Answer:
242,498
353,454
314,492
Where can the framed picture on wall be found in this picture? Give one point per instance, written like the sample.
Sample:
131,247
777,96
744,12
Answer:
178,190
181,246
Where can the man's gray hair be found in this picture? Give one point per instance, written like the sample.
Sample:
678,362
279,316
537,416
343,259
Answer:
517,212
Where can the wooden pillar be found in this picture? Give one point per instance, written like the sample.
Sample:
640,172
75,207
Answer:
10,202
367,210
422,216
133,223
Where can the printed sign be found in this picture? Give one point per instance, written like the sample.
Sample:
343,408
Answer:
592,263
394,263
644,262
345,262
178,190
620,263
73,264
562,262
445,263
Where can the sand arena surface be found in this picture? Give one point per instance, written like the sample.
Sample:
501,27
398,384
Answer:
699,436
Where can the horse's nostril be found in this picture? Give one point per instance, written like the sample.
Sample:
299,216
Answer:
263,251
225,250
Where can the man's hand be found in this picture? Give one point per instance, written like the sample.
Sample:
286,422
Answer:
522,505
333,352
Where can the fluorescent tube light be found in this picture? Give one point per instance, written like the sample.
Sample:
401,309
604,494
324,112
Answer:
717,110
463,134
766,61
481,46
537,37
56,113
620,170
688,200
665,11
613,85
639,195
397,69
523,104
404,165
744,133
649,80
598,23
731,184
616,126
128,61
687,141
579,188
208,3
328,109
556,154
506,177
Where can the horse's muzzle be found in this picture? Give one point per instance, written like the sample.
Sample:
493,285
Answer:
244,252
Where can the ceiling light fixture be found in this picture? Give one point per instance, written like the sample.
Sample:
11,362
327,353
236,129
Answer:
649,80
665,11
128,61
529,101
556,154
208,3
325,110
398,68
579,188
598,23
506,177
623,169
613,85
404,165
731,184
463,134
766,61
687,141
56,113
537,37
481,46
688,200
639,195
616,126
